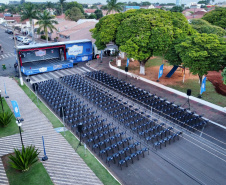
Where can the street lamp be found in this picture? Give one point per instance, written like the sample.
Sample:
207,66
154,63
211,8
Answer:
1,100
18,122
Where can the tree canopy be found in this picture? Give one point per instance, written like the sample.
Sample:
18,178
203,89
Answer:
98,13
216,17
177,9
203,26
140,33
202,53
74,14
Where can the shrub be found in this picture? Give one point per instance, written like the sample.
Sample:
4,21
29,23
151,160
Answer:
5,118
24,159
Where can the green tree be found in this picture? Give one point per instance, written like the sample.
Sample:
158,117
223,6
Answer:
61,2
104,7
29,12
203,26
98,13
46,23
49,4
176,9
74,14
146,3
74,4
216,17
12,9
141,33
92,16
202,53
113,5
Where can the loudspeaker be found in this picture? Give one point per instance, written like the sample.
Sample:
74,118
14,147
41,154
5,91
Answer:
80,127
126,69
62,109
35,86
189,92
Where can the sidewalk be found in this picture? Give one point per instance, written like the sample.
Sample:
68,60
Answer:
64,165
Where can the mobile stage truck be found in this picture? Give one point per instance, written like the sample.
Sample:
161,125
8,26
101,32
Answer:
46,57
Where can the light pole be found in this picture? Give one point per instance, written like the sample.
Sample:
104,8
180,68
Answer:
1,100
19,125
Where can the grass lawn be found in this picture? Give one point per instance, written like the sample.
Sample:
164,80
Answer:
52,118
154,62
209,95
36,175
90,160
12,127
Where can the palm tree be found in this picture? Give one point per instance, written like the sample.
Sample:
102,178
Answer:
29,12
49,4
61,5
46,22
113,5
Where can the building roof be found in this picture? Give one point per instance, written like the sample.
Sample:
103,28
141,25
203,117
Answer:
132,7
89,10
75,29
1,15
194,10
16,19
60,16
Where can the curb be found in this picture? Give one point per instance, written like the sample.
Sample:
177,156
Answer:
211,105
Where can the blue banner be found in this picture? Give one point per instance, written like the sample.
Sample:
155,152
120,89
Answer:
160,71
203,86
15,108
127,63
101,55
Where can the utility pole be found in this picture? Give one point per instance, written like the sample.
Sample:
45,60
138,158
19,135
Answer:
17,59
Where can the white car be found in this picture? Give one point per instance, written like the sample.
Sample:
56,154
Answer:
26,40
21,38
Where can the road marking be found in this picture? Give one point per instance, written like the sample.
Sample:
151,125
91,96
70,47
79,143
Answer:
75,70
58,72
81,70
86,69
55,76
3,56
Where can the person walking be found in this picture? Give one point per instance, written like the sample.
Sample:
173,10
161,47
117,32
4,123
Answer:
15,66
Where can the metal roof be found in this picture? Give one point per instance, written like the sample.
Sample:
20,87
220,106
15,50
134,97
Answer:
40,45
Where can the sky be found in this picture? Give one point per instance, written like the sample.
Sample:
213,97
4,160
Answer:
104,1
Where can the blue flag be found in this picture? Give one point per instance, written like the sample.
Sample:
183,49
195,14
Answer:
160,71
5,89
127,63
15,108
203,86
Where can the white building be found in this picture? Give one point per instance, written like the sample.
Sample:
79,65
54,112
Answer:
178,2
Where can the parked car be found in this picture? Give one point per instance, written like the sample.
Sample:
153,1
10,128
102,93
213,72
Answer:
16,35
8,31
21,38
29,42
26,40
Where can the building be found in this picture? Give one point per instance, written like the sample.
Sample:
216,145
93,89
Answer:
130,7
178,2
89,11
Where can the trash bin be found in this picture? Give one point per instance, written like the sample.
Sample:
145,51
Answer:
3,67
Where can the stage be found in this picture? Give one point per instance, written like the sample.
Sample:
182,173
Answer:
35,67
